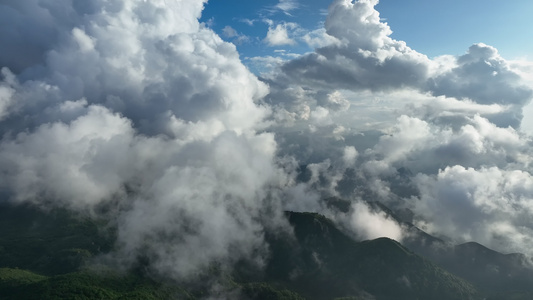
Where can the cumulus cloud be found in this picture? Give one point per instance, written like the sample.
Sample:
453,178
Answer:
467,181
319,38
426,147
483,76
488,205
365,57
350,155
279,35
357,53
137,107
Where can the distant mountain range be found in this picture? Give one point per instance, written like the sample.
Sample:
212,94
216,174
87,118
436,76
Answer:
42,256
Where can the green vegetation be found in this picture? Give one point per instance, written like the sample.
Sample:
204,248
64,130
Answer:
20,284
267,292
47,255
43,255
56,242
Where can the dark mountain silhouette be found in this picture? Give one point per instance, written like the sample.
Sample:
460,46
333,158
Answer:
498,275
321,262
44,255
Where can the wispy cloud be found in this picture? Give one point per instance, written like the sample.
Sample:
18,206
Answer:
250,22
236,37
284,6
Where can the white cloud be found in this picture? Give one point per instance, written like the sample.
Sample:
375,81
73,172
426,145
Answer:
140,108
408,135
525,69
250,22
236,37
265,64
85,42
228,31
426,147
488,205
6,93
279,35
363,57
349,156
286,6
320,116
483,76
337,102
368,224
319,38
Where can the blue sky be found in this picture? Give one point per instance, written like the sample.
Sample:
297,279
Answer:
430,27
450,27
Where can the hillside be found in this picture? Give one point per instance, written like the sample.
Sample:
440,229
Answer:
496,275
329,264
49,254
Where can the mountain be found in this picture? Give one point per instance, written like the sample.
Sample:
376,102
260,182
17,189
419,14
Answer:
47,255
501,275
52,242
321,262
497,275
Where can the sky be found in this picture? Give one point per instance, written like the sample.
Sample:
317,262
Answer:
430,27
193,126
438,28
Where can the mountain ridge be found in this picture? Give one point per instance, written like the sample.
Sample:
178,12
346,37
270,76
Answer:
316,261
